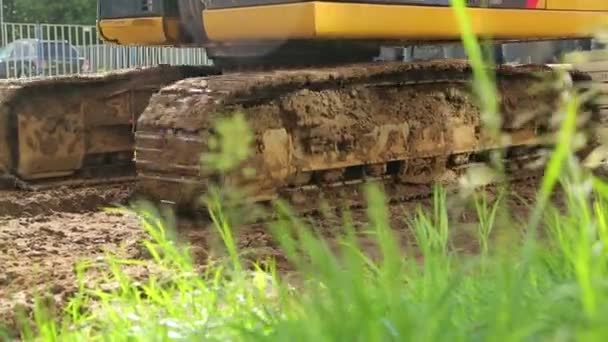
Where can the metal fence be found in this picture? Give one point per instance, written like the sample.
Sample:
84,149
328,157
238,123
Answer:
39,50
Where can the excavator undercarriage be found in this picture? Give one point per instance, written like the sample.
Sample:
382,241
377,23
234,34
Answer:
76,130
321,132
325,116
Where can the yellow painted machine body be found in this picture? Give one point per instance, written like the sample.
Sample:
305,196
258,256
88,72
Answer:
252,21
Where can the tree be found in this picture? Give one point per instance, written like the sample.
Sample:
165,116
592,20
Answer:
51,11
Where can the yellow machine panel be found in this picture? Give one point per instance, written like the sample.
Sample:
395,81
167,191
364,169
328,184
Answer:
141,31
333,20
582,5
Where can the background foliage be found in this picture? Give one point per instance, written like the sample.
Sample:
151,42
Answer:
52,12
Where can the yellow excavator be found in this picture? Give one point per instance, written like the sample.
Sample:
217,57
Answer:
336,93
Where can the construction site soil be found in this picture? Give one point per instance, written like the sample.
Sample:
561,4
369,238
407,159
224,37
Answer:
44,235
65,199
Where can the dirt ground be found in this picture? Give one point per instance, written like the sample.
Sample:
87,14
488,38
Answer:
43,236
65,200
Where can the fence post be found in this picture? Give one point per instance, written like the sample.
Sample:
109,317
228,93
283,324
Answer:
39,50
2,42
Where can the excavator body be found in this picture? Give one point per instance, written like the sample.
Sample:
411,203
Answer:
259,30
335,92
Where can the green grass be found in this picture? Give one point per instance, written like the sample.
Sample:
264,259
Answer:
519,286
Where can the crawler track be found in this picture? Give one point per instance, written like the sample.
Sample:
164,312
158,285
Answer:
76,130
326,130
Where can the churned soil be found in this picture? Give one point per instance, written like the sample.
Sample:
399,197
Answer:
65,200
39,251
39,254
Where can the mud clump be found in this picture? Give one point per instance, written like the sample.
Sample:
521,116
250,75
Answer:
345,116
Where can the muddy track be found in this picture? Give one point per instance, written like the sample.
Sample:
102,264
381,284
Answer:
318,126
76,129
